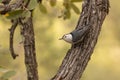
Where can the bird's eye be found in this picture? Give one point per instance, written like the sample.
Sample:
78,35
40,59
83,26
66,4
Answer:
64,36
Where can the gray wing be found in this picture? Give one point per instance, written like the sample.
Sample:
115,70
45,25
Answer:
79,33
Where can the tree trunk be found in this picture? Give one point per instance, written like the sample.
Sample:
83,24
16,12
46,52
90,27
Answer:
27,31
29,47
76,59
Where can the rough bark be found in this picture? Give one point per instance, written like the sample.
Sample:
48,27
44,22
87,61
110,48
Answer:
12,30
76,59
4,8
27,31
29,47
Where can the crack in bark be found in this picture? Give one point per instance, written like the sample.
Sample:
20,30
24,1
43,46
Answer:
75,61
27,31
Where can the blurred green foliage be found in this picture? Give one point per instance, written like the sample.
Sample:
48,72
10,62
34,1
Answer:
6,74
104,63
65,12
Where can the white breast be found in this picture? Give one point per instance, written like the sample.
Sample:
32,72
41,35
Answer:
68,38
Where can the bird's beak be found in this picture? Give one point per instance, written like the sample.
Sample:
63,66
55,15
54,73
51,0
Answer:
60,38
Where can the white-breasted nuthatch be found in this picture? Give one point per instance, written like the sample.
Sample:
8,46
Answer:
75,36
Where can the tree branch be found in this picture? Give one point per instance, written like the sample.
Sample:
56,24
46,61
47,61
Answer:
6,2
29,47
27,31
12,30
77,58
8,7
39,1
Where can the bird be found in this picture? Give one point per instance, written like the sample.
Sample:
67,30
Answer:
76,35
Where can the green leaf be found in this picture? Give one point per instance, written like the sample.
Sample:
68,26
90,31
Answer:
53,2
0,1
2,70
76,0
14,14
7,75
25,1
67,14
42,8
66,1
66,4
26,14
32,4
75,8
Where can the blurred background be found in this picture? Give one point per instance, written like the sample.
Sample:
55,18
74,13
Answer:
104,63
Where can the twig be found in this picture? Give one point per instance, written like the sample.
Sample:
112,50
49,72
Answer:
6,1
39,1
8,7
27,3
12,30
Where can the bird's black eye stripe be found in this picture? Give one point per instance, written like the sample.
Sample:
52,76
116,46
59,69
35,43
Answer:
64,36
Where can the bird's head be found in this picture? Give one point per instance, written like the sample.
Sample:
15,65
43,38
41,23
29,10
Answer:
67,37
